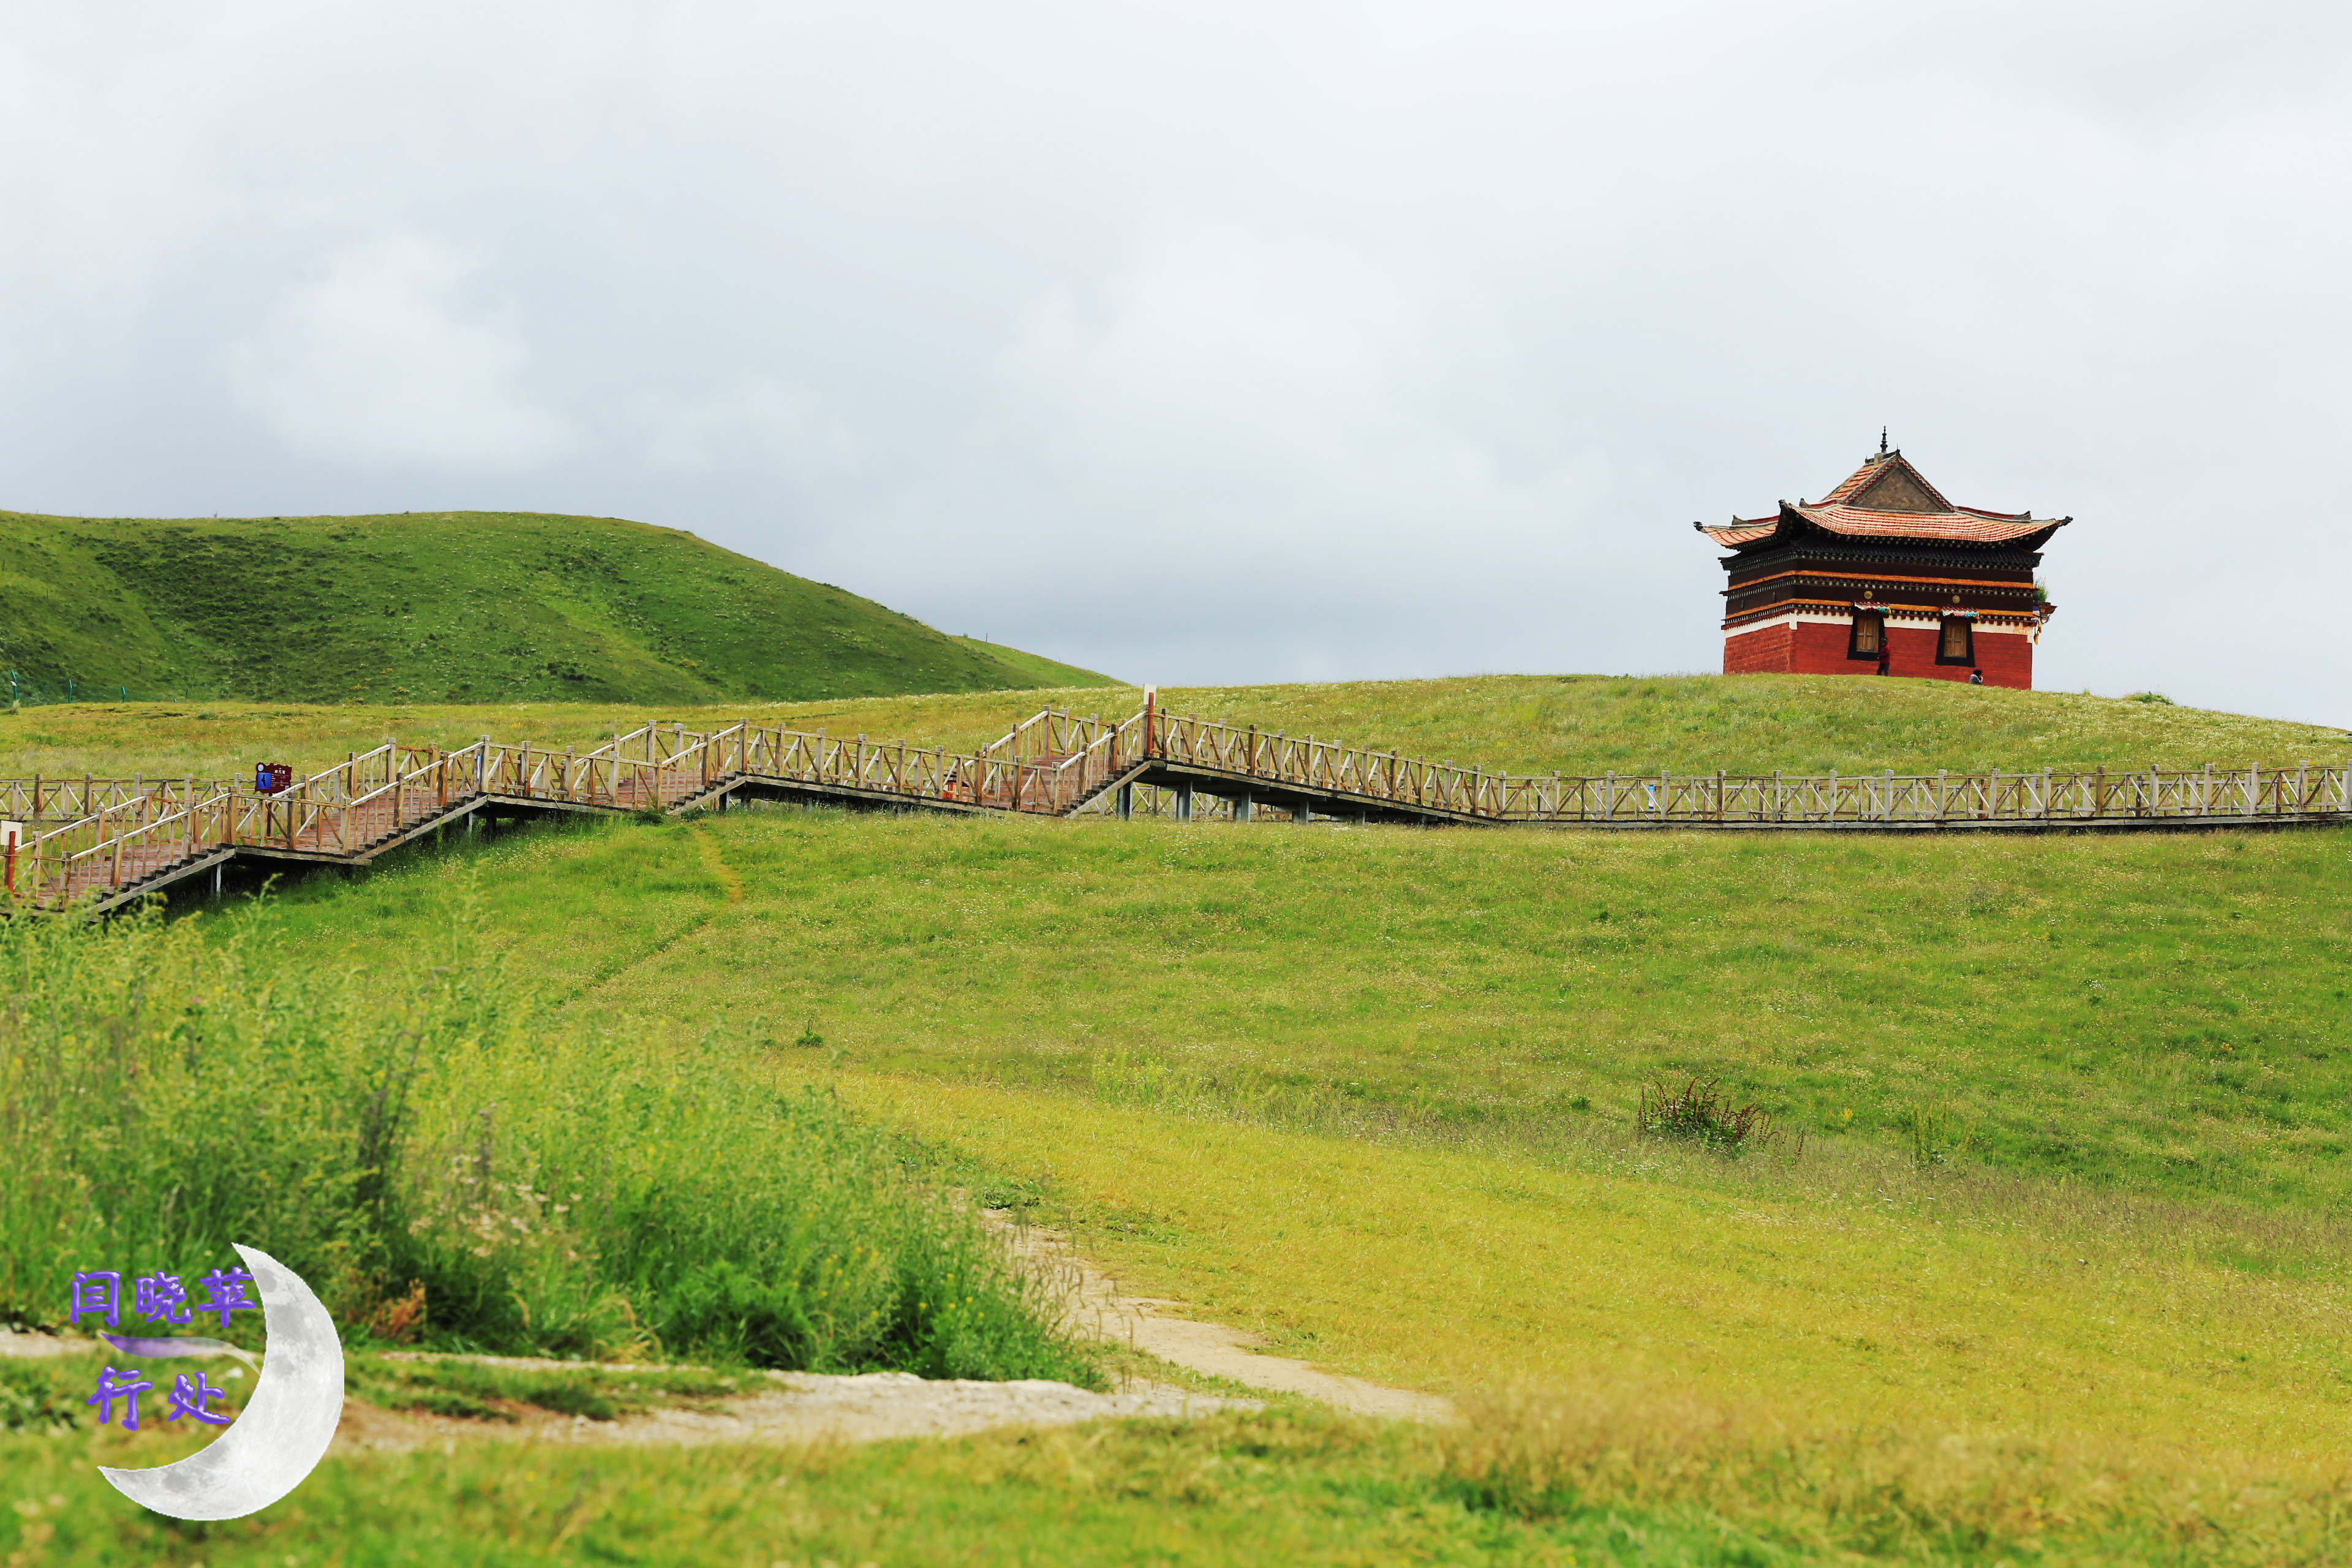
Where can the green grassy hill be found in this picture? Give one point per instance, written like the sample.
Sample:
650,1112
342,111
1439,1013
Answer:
2163,1012
451,608
2063,1122
2047,1263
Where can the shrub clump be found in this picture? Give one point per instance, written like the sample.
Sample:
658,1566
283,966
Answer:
1700,1112
447,1162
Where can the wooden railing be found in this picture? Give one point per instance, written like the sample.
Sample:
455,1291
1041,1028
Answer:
139,832
38,799
103,839
1422,788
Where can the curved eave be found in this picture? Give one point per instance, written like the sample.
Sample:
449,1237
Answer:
1739,538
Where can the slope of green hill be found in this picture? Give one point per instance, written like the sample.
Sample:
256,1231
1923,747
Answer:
2060,1154
451,608
2046,1262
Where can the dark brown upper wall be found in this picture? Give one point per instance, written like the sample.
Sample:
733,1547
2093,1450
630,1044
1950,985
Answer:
1748,569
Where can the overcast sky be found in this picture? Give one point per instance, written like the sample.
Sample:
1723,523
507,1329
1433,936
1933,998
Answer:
1223,342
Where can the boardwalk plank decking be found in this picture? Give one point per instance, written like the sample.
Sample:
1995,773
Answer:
95,844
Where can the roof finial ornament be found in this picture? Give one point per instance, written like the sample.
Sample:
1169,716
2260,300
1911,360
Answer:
1882,440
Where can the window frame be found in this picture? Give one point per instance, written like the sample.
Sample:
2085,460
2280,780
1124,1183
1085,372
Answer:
1854,636
1967,654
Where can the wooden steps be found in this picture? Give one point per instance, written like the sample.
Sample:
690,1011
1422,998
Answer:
132,838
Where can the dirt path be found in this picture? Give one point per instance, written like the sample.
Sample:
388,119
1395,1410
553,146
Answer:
1096,1306
792,1407
799,1408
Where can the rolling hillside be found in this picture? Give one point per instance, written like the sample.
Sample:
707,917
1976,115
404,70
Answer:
2049,1243
466,607
2044,1260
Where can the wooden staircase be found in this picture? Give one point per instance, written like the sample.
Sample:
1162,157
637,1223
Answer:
94,845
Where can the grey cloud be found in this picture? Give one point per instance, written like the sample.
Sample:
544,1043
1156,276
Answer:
379,362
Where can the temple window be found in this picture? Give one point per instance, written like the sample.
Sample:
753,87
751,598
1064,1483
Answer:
1869,635
1958,643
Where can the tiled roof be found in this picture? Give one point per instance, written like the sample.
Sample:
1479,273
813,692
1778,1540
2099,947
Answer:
1890,466
1929,517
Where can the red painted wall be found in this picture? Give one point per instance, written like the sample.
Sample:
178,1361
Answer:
1818,647
1765,652
2006,660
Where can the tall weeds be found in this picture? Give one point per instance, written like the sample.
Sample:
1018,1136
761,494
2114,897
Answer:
1700,1112
429,1136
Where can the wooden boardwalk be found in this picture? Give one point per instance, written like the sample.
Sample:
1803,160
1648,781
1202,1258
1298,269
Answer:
97,842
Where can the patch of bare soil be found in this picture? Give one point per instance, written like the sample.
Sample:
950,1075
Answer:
798,1407
1093,1304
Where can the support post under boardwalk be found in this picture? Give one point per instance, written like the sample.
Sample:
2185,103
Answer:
1242,808
1183,803
1126,803
1306,812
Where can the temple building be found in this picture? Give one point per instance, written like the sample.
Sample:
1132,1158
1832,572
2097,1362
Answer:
1884,576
